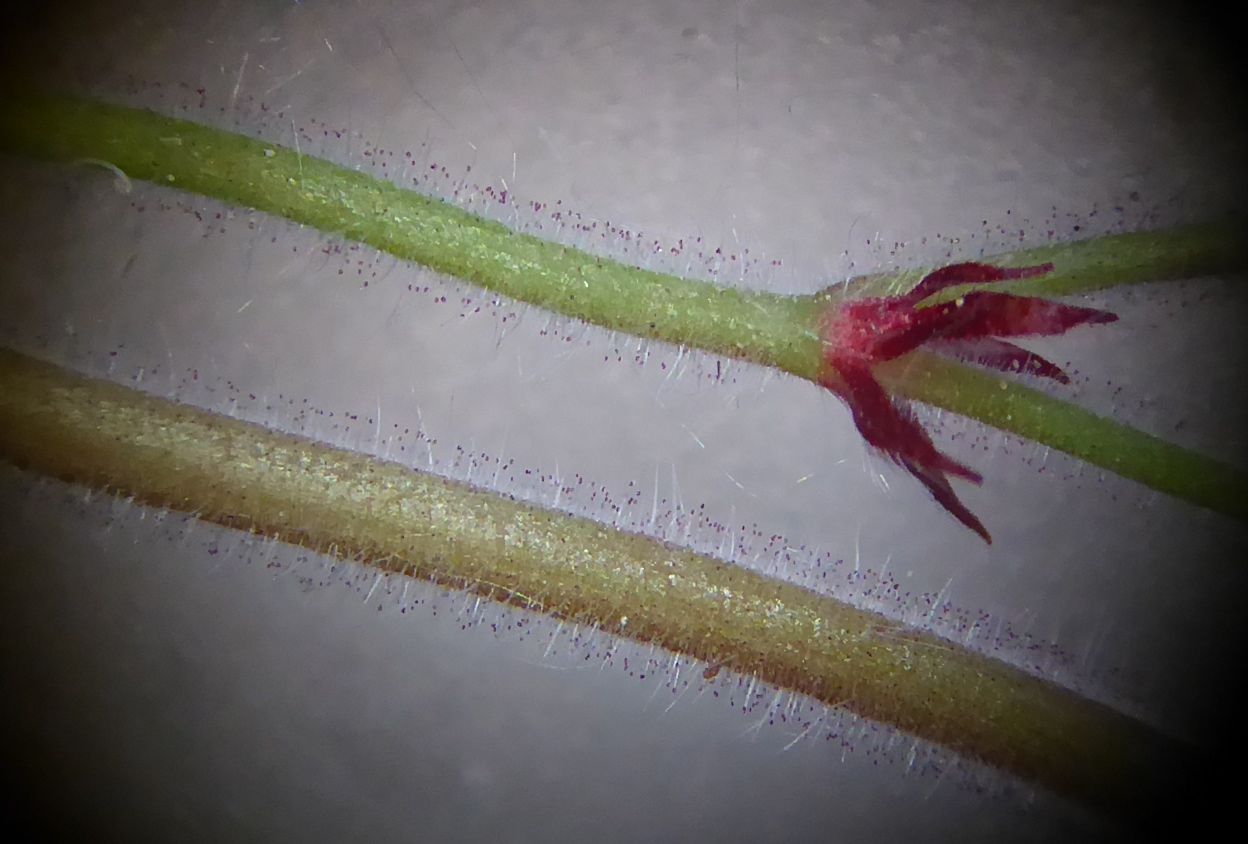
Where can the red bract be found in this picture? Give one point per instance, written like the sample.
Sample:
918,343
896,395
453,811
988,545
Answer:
858,335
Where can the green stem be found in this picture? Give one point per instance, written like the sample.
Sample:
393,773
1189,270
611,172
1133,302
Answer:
1123,450
767,329
1085,266
389,516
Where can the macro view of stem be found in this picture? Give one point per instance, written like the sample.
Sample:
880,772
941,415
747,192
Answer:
551,420
929,336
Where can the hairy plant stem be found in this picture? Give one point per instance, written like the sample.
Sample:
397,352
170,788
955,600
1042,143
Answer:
763,328
392,517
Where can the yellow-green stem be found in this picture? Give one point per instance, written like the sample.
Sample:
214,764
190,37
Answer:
242,475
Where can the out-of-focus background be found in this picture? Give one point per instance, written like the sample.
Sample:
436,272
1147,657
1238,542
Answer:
166,680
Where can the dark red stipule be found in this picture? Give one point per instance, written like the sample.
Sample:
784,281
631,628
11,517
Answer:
858,335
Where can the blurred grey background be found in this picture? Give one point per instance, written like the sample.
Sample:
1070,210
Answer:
168,680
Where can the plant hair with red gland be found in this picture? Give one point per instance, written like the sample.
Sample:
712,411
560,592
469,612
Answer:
860,334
